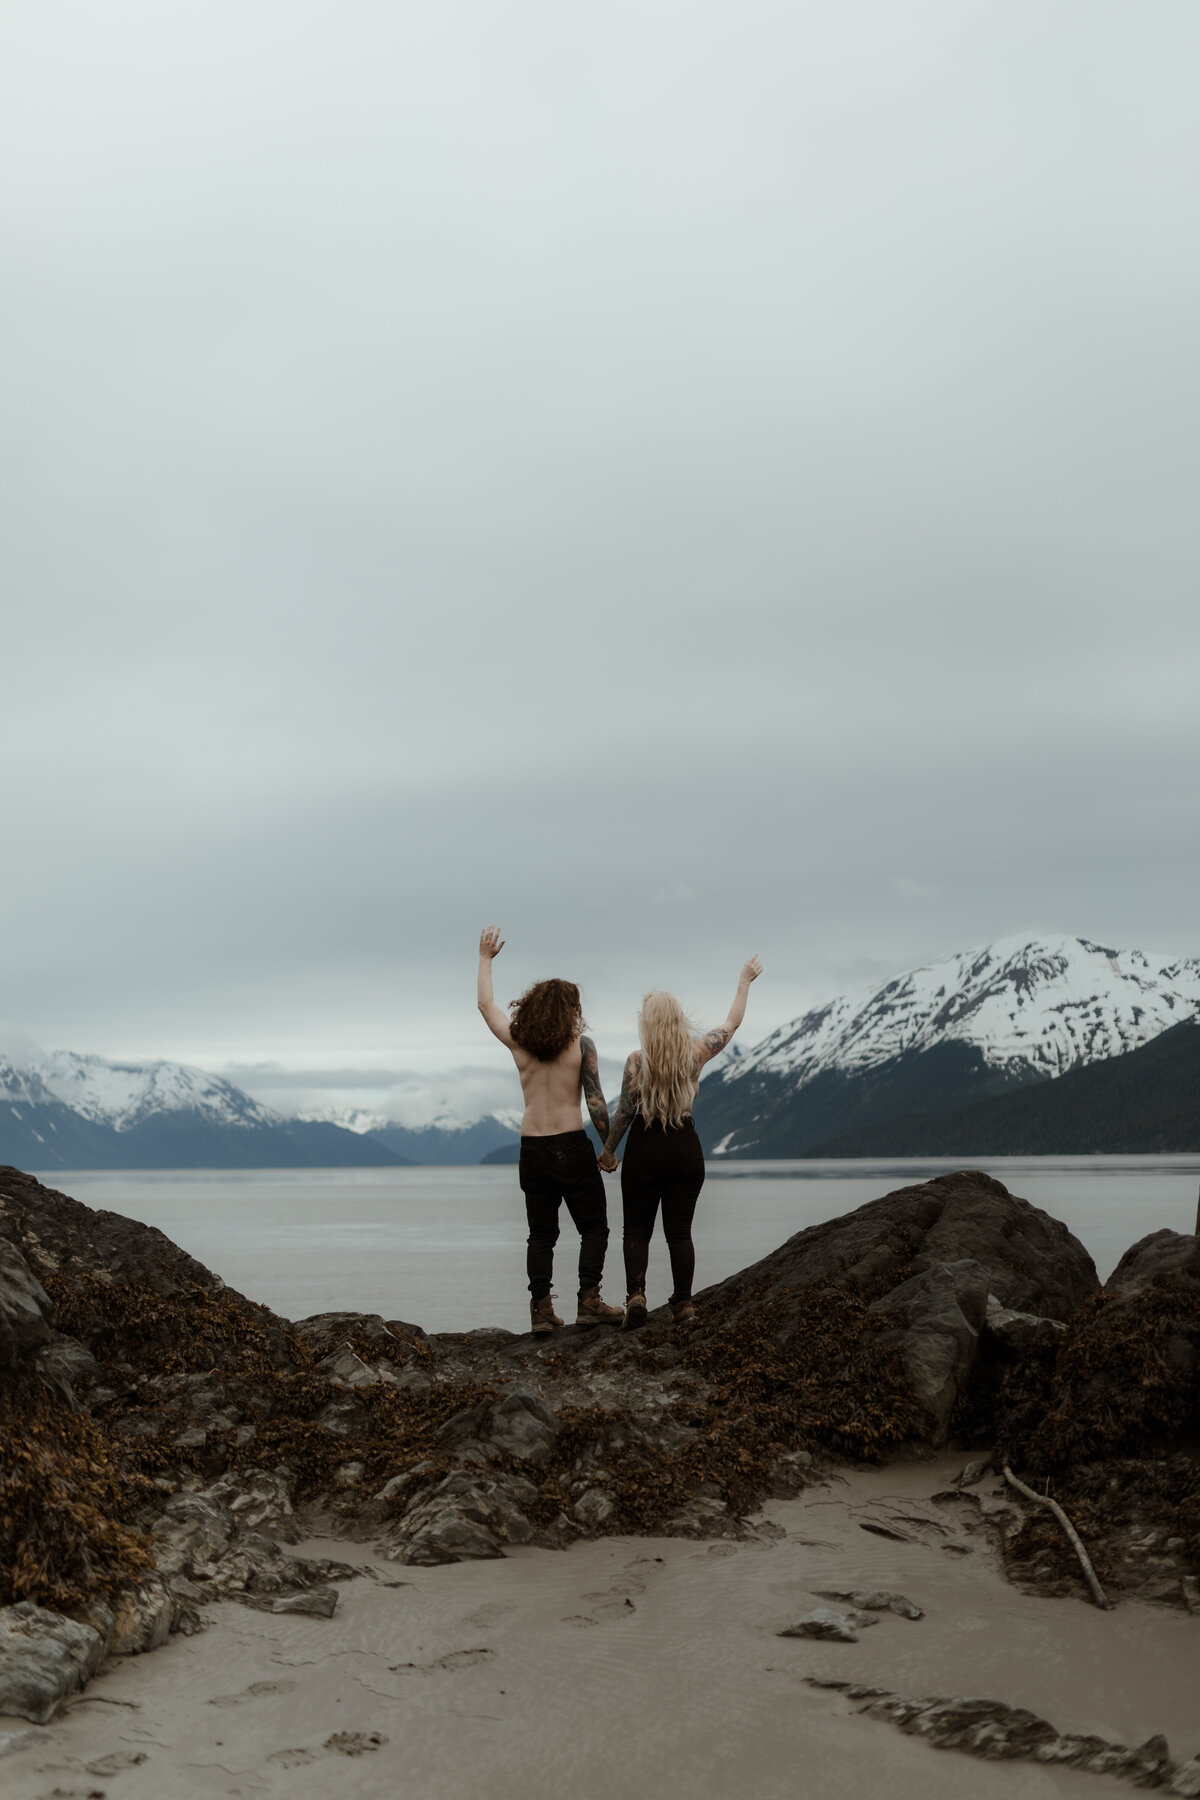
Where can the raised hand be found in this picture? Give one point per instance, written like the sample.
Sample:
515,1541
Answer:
751,970
490,942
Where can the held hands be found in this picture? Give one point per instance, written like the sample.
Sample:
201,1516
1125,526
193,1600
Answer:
490,942
607,1160
750,971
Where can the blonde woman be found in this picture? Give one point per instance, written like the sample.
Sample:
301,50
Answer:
664,1164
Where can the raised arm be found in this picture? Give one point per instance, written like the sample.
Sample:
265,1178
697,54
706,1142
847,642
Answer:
713,1042
490,946
626,1111
593,1093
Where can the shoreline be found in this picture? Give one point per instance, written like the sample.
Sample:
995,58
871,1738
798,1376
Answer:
630,1662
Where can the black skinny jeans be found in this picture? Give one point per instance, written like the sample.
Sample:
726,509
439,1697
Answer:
554,1169
664,1165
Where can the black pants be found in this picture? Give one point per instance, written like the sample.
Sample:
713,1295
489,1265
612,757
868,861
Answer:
664,1165
554,1169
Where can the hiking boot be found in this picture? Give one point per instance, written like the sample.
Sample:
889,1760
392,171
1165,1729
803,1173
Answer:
594,1311
682,1311
542,1317
635,1312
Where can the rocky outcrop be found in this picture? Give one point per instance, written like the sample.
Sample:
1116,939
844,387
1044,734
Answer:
940,1315
189,1436
465,1518
1001,1733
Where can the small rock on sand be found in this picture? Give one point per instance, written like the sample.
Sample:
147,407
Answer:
824,1622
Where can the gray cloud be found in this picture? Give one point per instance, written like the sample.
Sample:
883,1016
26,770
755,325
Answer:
679,482
373,1096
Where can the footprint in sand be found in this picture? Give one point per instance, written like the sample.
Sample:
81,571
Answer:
606,1609
448,1664
354,1743
115,1762
256,1691
619,1590
292,1759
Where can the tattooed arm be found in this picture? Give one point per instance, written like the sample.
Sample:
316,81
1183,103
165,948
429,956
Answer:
593,1093
627,1107
713,1042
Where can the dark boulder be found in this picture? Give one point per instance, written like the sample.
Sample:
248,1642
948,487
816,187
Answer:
1033,1262
931,1258
26,1309
1162,1253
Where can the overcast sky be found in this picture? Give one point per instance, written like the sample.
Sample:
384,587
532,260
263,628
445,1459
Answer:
676,479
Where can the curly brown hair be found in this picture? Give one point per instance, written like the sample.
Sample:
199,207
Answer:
546,1017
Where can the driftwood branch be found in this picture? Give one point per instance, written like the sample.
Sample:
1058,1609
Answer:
1098,1594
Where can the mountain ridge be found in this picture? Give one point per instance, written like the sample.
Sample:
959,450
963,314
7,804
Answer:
1145,1101
949,1034
63,1110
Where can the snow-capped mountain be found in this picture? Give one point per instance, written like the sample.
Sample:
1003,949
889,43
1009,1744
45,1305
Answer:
1042,1004
447,1120
1016,1011
60,1110
446,1140
122,1095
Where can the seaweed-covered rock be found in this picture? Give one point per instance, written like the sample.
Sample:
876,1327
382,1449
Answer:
1109,1413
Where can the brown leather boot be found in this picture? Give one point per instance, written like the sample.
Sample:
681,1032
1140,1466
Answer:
542,1317
594,1311
682,1311
635,1312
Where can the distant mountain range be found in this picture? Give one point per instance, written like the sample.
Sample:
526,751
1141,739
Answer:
59,1110
978,1027
482,1141
1025,1046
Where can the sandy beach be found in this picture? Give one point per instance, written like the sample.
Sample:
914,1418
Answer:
629,1663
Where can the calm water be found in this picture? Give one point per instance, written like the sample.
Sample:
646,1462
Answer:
445,1247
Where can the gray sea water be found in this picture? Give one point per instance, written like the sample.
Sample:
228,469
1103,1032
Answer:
445,1248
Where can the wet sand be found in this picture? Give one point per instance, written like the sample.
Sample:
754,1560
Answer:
631,1664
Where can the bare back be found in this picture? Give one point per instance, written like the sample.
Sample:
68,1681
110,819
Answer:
553,1091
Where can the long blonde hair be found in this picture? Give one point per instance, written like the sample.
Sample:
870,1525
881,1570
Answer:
667,1079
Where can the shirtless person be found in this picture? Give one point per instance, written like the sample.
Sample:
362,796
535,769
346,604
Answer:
558,1067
